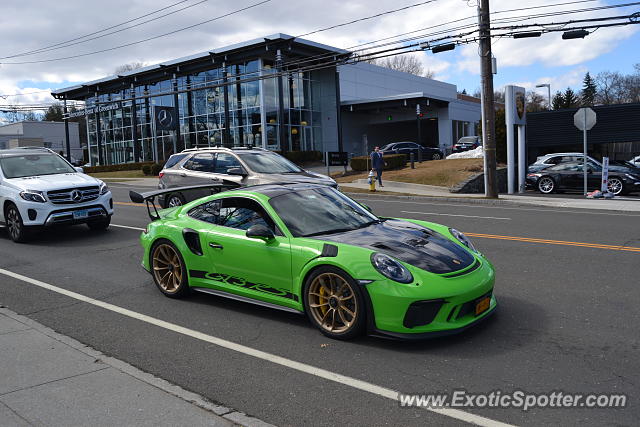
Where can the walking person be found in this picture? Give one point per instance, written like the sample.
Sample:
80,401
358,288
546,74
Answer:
377,163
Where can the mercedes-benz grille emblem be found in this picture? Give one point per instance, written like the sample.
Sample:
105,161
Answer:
164,118
76,195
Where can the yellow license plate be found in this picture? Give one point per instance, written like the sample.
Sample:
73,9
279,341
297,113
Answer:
483,305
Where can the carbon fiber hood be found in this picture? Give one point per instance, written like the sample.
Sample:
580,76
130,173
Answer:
408,242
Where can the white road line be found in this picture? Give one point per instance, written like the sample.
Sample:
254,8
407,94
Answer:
127,226
466,216
292,364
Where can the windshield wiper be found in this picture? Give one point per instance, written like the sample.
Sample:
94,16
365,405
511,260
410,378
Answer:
375,221
337,230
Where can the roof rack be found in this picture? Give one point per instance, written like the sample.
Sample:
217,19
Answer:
33,148
217,147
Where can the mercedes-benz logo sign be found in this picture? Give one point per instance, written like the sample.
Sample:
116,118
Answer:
165,119
76,195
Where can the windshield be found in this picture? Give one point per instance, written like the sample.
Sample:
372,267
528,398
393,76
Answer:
267,162
320,211
34,164
467,140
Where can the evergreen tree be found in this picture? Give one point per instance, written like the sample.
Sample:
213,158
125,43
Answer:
558,101
589,90
571,100
54,113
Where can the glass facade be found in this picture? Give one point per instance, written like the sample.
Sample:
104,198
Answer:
236,113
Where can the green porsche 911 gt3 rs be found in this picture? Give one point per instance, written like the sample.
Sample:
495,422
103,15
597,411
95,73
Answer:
310,249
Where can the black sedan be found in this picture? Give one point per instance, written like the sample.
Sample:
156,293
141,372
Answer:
406,147
569,176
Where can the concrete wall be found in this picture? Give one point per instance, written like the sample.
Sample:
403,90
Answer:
51,133
366,81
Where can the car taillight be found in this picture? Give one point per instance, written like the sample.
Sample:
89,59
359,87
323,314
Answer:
161,174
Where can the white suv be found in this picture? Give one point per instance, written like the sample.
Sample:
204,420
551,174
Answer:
40,188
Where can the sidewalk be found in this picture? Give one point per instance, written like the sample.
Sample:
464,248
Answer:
443,194
50,379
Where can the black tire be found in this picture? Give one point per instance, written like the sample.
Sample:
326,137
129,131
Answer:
173,200
616,186
99,224
436,156
164,252
352,300
16,229
546,185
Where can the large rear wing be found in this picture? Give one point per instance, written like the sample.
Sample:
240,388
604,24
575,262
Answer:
149,197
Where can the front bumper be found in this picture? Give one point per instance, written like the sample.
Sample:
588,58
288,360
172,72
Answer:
448,304
50,214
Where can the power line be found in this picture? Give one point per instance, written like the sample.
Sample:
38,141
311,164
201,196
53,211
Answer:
143,40
99,31
106,34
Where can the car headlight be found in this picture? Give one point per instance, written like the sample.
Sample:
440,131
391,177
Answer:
104,189
391,268
33,196
462,238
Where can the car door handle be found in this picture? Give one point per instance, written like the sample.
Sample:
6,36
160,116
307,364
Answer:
183,174
215,246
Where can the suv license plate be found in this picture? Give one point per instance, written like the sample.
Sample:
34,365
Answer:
81,214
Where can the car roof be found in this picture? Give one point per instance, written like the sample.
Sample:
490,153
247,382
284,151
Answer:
276,189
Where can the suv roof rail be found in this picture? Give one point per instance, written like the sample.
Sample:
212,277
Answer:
189,150
34,148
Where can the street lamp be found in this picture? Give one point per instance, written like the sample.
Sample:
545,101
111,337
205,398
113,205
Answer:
548,86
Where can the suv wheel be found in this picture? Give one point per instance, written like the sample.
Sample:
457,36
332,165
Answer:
174,200
15,227
100,224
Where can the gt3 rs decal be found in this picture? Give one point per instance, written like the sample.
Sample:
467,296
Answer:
243,283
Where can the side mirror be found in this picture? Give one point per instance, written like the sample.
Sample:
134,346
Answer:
259,231
79,169
236,171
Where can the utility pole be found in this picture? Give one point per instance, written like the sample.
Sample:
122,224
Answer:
488,107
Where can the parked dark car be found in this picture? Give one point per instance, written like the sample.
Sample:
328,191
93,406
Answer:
466,143
407,147
569,177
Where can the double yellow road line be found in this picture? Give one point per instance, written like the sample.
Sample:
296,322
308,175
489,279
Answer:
517,239
556,242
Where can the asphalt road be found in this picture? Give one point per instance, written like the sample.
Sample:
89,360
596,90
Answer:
568,320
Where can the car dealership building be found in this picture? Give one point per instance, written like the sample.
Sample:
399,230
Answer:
278,92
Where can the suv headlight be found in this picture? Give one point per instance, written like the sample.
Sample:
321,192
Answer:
462,239
391,268
104,189
33,196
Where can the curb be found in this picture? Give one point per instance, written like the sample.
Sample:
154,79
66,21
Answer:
236,417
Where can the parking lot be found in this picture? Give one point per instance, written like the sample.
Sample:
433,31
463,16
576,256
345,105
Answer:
566,284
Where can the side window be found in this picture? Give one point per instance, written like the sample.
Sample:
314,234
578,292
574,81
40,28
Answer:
207,212
225,161
243,213
202,162
173,160
553,160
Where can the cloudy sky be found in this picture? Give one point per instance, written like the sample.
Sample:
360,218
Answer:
30,25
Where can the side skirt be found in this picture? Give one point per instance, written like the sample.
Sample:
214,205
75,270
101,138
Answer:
245,299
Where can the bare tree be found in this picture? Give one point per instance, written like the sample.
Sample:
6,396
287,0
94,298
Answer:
610,87
536,102
129,67
405,63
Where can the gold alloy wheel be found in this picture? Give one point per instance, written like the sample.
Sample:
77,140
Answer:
333,303
167,269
